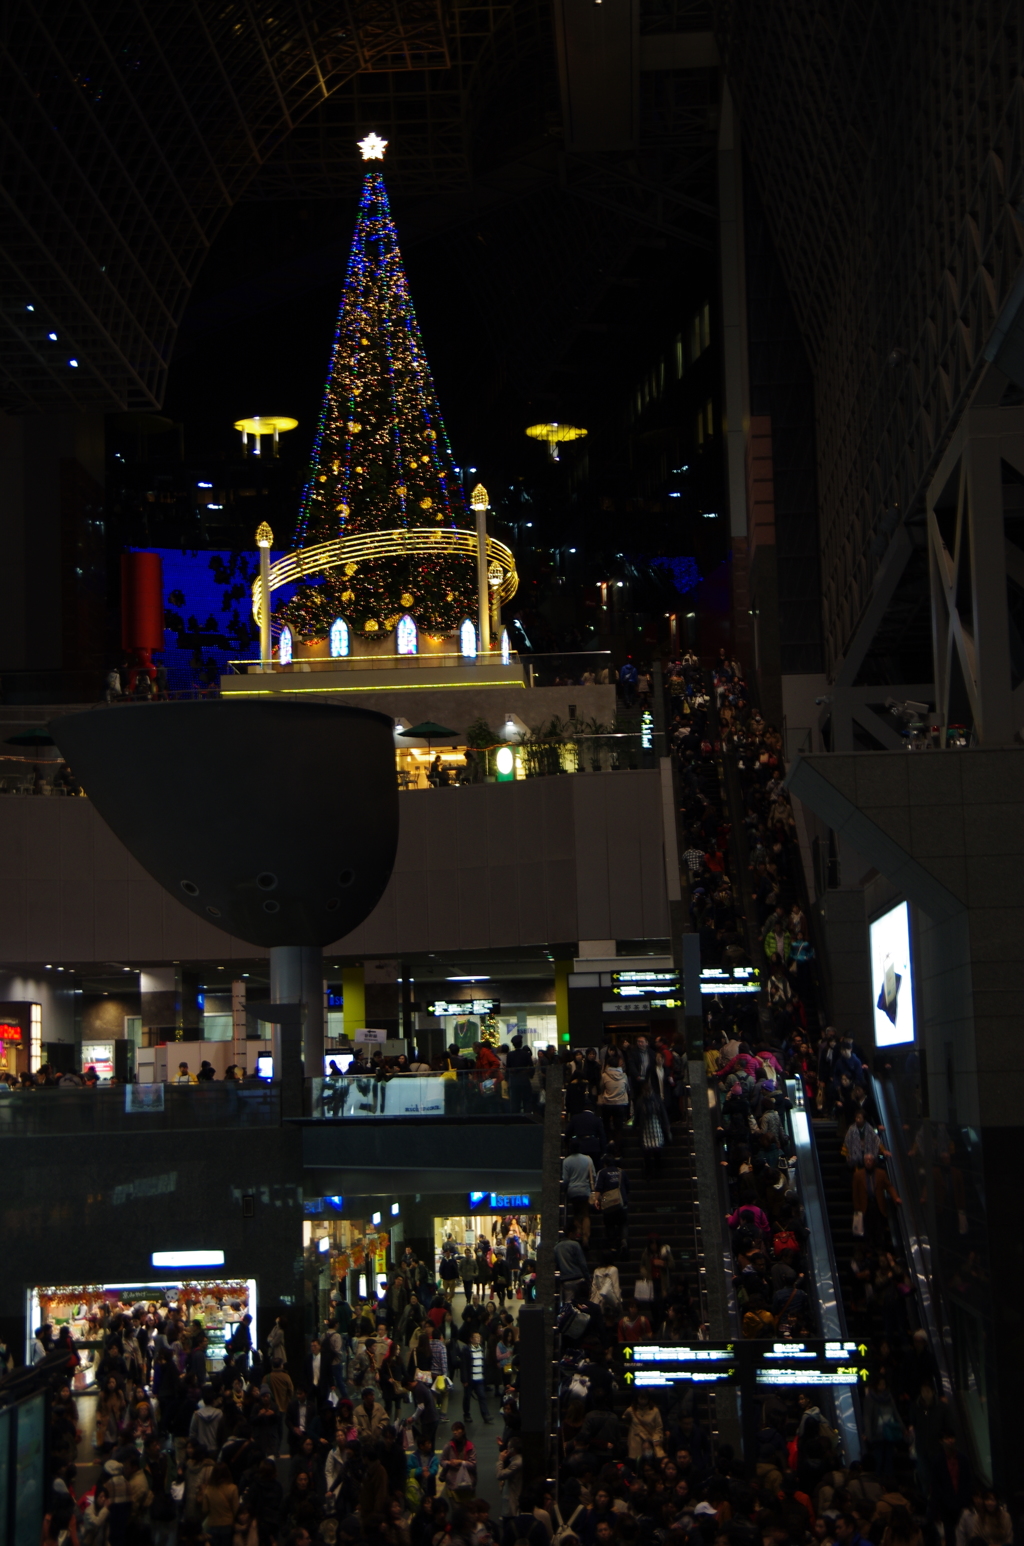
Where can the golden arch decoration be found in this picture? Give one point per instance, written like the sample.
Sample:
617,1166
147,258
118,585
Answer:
447,541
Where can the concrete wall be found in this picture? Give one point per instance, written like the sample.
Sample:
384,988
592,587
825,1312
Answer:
537,861
946,831
458,707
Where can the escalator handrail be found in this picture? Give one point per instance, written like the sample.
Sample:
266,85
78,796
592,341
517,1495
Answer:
914,1238
824,1269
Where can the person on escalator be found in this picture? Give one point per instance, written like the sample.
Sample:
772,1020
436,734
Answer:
872,1193
861,1139
588,1129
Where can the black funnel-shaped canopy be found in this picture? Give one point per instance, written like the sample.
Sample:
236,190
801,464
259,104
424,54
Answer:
277,821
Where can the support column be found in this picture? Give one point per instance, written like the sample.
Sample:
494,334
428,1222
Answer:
562,970
483,593
160,998
297,977
735,417
353,999
264,538
239,1028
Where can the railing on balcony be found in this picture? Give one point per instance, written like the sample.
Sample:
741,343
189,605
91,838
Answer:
60,1111
476,1095
426,661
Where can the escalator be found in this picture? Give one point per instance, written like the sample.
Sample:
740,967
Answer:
818,1168
839,1207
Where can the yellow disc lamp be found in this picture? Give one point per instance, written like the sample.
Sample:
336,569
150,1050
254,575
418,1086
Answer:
554,435
264,424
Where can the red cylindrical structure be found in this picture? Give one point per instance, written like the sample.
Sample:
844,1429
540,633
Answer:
142,601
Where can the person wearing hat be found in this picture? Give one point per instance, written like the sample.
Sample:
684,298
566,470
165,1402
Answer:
206,1071
184,1077
519,1072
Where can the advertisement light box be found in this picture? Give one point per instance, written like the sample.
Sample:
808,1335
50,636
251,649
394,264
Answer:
500,1202
892,983
474,1006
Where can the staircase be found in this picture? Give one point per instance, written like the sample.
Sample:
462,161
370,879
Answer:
665,1203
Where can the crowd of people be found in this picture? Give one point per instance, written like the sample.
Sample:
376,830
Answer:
355,1444
646,1465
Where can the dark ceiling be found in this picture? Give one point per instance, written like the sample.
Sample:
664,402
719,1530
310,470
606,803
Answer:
180,183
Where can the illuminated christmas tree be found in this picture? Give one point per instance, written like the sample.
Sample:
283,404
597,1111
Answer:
381,460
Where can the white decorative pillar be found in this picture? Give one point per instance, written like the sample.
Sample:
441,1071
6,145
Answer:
264,539
478,504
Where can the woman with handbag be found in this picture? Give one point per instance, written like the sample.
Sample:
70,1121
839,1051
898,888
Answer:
110,1413
458,1465
614,1097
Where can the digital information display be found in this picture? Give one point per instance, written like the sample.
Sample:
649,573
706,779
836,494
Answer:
473,1006
742,979
655,1365
647,977
892,982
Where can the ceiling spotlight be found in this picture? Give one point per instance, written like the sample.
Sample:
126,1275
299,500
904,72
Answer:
73,364
52,337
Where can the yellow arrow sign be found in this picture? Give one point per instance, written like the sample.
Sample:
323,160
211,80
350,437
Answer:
629,1376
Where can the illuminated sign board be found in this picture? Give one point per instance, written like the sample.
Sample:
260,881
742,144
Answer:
892,983
166,1259
10,1032
644,976
742,979
646,731
500,1202
651,1365
475,1006
640,1006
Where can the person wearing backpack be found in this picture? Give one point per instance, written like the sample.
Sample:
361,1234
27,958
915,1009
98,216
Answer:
613,1197
565,1533
331,1355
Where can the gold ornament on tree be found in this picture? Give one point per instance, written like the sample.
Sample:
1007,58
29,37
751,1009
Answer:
370,626
407,598
489,1032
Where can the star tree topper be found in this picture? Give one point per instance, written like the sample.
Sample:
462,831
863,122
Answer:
373,147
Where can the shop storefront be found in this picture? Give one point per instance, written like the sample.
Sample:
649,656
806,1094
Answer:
349,1257
466,1022
218,1305
489,1216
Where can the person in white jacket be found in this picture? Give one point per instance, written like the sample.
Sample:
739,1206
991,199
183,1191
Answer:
614,1096
604,1287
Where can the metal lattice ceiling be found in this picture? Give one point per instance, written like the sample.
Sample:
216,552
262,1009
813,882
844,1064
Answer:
128,132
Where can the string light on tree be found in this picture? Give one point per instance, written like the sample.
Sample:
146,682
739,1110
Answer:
381,461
